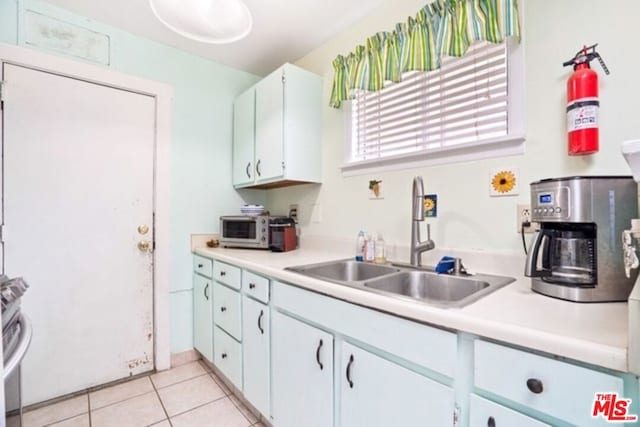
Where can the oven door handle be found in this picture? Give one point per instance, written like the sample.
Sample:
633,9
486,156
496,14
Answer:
530,269
21,348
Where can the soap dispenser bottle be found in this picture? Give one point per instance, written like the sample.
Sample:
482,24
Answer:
361,243
380,257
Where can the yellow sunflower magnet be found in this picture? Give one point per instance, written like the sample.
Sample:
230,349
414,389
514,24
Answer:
504,182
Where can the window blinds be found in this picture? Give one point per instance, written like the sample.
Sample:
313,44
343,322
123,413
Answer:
462,103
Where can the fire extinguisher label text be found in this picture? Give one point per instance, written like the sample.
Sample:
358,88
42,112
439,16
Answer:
583,117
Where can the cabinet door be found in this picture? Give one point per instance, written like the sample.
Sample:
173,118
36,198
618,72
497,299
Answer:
303,374
270,127
203,316
379,393
256,338
244,138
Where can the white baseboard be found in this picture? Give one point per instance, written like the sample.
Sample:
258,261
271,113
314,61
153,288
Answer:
184,357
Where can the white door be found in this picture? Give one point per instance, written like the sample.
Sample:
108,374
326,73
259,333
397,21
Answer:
78,182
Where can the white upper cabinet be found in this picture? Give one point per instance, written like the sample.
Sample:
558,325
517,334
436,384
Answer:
284,120
243,138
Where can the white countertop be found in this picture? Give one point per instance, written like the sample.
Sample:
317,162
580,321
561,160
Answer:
591,333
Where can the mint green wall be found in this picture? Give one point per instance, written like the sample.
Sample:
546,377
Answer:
201,188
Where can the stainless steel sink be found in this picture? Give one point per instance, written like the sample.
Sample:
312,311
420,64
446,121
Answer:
407,282
344,270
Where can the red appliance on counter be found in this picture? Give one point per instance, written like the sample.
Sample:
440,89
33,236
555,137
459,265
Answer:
283,236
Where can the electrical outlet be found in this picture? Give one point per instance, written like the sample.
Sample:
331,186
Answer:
523,214
293,212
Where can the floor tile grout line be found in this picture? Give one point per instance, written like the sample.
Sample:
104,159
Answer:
178,382
67,418
199,406
119,401
161,402
89,406
225,389
241,411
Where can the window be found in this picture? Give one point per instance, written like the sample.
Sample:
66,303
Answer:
470,108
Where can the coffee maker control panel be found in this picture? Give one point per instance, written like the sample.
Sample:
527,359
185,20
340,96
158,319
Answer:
550,204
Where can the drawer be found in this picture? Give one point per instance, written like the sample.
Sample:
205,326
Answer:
255,286
202,265
557,388
483,412
424,345
227,312
227,274
228,356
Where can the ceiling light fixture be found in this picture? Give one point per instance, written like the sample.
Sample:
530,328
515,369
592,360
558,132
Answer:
207,21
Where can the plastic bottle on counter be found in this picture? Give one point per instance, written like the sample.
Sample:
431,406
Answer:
370,248
380,257
361,243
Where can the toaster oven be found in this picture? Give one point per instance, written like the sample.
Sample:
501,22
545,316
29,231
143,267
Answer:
244,231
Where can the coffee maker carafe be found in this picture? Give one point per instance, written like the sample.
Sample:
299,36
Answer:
577,254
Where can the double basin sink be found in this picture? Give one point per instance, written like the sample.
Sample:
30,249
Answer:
408,282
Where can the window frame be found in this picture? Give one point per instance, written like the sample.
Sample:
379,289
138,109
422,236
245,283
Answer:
511,144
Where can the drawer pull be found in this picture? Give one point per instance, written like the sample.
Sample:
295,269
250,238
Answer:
200,265
224,355
252,285
260,322
349,371
223,273
223,309
206,295
534,385
318,355
491,422
247,170
258,168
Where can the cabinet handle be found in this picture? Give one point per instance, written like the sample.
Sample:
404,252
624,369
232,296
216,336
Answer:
534,385
258,168
318,355
247,170
252,285
206,295
491,422
223,309
260,322
200,265
349,371
224,355
223,273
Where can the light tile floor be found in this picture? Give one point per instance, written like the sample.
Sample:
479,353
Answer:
186,396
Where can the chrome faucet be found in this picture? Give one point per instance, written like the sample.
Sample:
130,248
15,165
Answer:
417,210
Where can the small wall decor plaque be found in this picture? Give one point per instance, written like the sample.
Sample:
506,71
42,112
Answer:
504,182
430,205
375,189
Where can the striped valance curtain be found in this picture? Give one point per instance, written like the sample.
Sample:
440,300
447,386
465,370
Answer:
444,27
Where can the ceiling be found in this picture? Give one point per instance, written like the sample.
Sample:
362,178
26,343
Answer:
283,30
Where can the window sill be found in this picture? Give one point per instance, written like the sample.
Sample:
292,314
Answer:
502,147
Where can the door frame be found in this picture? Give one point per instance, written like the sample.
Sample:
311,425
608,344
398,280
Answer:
163,95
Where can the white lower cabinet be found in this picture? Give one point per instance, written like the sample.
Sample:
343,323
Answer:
228,356
484,413
375,392
202,316
302,366
256,339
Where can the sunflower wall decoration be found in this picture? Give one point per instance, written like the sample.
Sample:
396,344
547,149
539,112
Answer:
430,205
504,182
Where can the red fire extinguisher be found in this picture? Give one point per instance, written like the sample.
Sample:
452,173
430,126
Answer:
583,103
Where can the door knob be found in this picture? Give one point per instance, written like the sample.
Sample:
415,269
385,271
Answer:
143,245
143,229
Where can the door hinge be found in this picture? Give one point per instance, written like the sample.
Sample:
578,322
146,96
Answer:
1,233
282,165
284,78
456,416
